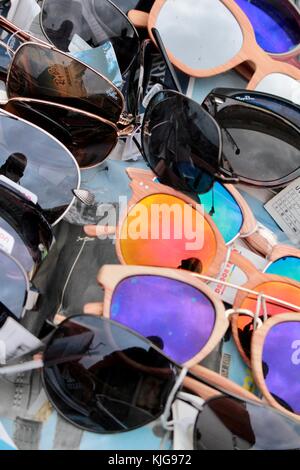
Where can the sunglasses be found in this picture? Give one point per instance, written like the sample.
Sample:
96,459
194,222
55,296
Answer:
276,25
123,381
35,69
17,294
38,165
235,44
182,315
24,232
188,146
285,261
94,21
179,232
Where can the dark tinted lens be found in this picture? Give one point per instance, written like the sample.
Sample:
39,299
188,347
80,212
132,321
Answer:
88,138
230,424
284,108
38,162
44,73
24,232
103,377
96,22
13,285
260,146
141,5
181,142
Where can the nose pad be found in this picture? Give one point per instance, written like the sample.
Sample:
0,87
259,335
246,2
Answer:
86,197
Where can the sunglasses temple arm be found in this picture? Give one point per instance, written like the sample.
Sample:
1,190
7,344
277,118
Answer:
162,50
17,368
222,383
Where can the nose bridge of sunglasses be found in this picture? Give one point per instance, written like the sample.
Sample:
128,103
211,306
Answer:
243,264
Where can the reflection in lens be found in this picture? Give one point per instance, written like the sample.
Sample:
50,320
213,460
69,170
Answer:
281,365
224,210
24,232
104,378
39,163
284,108
181,142
13,285
163,230
88,138
280,85
268,147
177,317
275,22
230,424
288,266
44,73
95,21
280,290
183,25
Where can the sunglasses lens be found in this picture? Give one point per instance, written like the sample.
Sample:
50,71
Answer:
104,378
177,317
224,210
276,24
39,163
284,108
182,28
44,73
162,230
288,266
281,360
280,85
230,424
13,285
96,22
181,142
88,138
24,232
254,142
281,291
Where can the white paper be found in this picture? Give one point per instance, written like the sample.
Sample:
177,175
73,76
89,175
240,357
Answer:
25,192
15,341
7,241
184,417
78,44
285,210
23,12
232,274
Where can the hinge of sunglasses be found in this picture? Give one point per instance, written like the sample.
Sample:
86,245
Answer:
233,179
233,311
125,119
127,131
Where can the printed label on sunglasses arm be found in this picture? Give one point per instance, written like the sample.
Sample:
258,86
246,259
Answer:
6,241
15,341
234,275
25,192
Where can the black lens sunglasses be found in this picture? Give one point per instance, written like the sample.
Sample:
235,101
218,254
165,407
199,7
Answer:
102,377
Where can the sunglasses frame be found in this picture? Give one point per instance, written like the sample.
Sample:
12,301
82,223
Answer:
83,113
257,344
144,187
255,278
121,13
249,52
110,276
5,113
